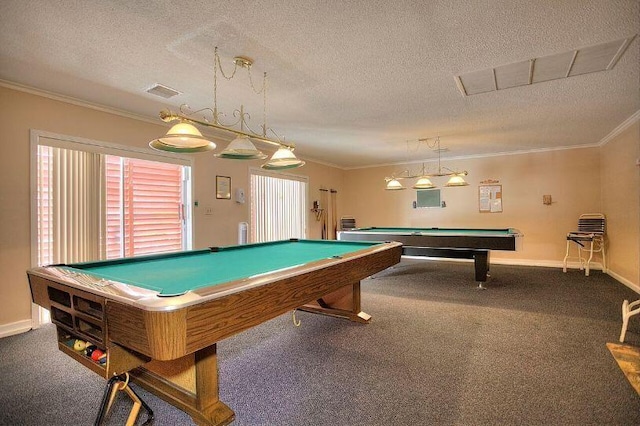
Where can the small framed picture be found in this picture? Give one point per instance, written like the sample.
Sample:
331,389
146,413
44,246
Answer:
223,187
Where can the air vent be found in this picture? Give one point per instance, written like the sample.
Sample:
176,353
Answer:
162,91
600,57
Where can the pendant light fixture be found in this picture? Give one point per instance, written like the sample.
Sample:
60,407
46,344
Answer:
184,137
456,178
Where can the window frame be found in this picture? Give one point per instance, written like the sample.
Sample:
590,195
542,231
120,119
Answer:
40,137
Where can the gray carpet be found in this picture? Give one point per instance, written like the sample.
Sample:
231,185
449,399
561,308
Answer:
529,350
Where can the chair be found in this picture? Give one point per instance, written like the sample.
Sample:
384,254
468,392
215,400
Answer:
347,223
591,231
628,310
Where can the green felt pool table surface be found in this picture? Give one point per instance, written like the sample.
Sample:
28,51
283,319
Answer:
177,273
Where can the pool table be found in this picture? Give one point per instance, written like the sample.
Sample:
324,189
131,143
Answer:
456,243
159,317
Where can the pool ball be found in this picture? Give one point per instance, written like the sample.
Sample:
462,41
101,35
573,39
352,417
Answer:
79,345
89,349
96,354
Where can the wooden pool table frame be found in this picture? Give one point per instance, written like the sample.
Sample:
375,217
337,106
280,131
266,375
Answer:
172,351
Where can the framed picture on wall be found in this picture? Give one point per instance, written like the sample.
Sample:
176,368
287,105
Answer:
223,187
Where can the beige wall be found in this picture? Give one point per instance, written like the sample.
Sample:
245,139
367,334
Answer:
621,201
22,111
221,228
571,177
579,180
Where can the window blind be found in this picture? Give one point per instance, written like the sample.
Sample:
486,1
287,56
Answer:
68,205
144,207
278,207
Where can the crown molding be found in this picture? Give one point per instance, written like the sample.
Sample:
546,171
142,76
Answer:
97,107
470,157
75,101
621,128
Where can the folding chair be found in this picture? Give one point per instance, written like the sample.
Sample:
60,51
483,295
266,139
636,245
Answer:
347,223
591,231
628,310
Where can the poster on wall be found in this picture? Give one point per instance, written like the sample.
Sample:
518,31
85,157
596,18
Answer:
223,187
490,197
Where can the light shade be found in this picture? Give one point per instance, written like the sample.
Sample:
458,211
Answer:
241,148
423,183
182,137
394,185
283,158
456,180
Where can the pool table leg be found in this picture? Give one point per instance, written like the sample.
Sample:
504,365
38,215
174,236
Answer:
341,303
481,263
203,402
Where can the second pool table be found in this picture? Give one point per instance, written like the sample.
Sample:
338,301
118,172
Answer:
456,243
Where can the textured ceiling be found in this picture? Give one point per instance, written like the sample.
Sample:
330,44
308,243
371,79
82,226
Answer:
350,82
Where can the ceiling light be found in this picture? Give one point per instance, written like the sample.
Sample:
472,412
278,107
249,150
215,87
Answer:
394,185
183,137
423,183
283,158
456,180
241,148
187,138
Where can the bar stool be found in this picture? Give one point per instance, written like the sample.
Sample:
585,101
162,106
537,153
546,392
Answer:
591,230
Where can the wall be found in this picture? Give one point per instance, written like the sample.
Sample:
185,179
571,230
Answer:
571,177
22,111
621,201
579,180
221,228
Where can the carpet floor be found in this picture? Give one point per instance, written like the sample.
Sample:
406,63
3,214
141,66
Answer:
531,349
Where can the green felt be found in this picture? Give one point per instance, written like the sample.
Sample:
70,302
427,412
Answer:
171,274
439,231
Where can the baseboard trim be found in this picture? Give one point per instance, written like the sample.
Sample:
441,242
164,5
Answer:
632,286
13,328
595,266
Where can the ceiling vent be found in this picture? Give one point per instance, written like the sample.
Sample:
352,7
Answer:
600,57
162,91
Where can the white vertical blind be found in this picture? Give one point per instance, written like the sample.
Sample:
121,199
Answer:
44,201
278,207
68,197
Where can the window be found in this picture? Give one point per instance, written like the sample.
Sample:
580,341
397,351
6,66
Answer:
278,206
144,207
92,204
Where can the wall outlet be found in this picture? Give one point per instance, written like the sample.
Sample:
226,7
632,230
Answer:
208,211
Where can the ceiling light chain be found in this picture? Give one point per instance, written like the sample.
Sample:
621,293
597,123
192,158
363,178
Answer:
423,182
